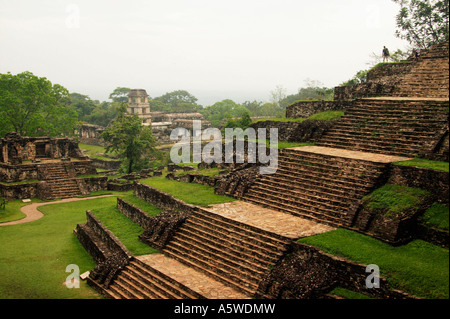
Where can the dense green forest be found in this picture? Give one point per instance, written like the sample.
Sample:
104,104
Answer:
34,106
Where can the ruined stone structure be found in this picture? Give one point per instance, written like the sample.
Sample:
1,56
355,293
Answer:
90,134
50,164
249,246
164,123
138,104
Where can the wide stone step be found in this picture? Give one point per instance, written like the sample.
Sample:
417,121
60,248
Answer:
332,164
213,271
380,146
361,146
295,211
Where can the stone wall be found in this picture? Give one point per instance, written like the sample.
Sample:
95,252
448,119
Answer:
19,191
194,178
83,167
307,272
107,251
103,238
18,173
134,213
238,181
94,184
90,134
381,81
436,182
306,131
304,109
161,199
104,164
161,229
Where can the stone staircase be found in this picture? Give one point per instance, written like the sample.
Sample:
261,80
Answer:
141,281
233,253
319,187
430,75
395,126
61,181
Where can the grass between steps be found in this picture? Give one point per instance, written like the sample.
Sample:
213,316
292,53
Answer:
419,268
421,162
437,216
395,201
124,229
191,193
142,204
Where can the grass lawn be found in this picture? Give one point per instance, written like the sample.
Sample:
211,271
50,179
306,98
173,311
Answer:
194,194
34,256
12,210
420,162
419,268
95,151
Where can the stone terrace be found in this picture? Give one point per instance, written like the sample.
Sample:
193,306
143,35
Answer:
313,190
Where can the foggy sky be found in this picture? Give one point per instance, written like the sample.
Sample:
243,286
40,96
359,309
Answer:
216,50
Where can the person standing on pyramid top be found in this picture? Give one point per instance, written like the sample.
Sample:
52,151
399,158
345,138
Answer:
385,54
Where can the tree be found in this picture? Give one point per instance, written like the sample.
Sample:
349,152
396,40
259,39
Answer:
131,140
278,96
219,111
244,122
82,104
176,101
120,94
33,106
105,112
358,78
423,22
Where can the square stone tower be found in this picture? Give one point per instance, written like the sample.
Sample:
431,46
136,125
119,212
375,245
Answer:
138,104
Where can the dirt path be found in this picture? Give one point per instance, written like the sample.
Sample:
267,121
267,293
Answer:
32,213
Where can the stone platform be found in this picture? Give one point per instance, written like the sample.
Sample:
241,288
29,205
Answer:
282,224
357,155
191,278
